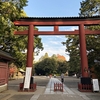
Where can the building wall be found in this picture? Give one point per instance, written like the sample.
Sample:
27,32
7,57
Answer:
3,76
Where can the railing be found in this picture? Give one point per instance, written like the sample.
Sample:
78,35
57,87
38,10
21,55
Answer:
58,87
85,87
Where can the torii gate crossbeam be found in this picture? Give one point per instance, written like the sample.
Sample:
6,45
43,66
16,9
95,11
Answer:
76,32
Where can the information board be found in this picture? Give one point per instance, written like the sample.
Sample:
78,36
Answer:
95,84
27,78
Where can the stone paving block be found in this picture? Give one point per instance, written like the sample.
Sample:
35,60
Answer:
59,97
94,97
50,97
20,97
3,96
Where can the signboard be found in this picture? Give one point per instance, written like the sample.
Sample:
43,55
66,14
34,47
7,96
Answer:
27,78
95,84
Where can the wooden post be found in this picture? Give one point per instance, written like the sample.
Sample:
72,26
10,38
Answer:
83,53
29,63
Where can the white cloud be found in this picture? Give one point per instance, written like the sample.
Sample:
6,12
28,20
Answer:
61,37
52,44
74,28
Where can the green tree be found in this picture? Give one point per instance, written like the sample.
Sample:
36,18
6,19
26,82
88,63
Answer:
72,47
37,45
14,45
54,56
62,67
9,43
90,8
50,65
44,57
46,67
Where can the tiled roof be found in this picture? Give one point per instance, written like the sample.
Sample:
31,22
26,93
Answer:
60,18
5,55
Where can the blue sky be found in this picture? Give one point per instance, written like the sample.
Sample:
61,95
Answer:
53,8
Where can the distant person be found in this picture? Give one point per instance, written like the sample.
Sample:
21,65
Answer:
62,77
54,75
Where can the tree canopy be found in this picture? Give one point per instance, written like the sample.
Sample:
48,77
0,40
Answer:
50,65
88,8
92,8
15,45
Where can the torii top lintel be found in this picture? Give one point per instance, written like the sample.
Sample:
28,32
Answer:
58,21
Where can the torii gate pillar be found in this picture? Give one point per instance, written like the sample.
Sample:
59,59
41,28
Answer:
29,63
30,47
83,53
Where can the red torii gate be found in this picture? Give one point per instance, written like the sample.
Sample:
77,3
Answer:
81,22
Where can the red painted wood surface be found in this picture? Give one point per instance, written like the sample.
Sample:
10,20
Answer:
83,53
58,87
59,22
75,32
3,73
30,47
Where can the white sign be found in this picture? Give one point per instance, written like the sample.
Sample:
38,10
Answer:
27,78
95,84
